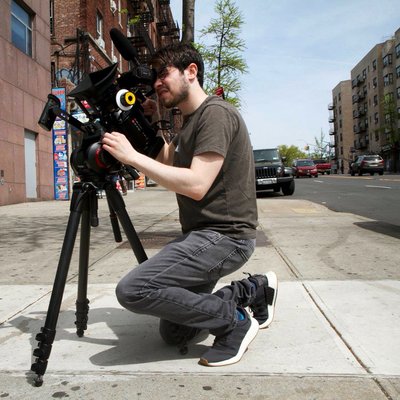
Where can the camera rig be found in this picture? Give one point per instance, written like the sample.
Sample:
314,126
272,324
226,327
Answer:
111,103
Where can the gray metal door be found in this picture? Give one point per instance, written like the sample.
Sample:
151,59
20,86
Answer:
30,165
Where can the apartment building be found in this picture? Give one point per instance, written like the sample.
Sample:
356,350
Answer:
342,119
374,101
26,172
367,95
50,46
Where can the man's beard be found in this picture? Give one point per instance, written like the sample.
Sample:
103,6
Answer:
175,100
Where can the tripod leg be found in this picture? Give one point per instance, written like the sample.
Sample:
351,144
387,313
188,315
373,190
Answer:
47,333
114,223
82,302
117,204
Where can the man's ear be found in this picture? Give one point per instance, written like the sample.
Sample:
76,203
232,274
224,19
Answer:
192,71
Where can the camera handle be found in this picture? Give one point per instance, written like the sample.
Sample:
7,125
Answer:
83,209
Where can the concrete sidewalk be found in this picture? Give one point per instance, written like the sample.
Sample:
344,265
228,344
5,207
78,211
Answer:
336,334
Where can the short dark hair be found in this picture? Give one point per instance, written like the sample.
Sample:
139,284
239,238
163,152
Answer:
180,55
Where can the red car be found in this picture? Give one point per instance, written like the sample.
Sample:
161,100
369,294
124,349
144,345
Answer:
304,167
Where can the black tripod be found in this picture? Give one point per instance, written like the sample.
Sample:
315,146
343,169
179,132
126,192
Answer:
83,208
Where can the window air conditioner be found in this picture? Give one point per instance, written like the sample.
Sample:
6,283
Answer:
113,6
100,42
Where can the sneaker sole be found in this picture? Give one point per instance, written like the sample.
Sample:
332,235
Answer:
272,283
250,335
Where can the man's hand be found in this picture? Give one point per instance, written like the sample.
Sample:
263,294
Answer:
118,146
149,107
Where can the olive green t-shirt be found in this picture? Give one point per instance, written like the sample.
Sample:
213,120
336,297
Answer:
229,207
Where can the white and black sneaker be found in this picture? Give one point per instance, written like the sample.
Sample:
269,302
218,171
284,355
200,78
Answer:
263,305
230,347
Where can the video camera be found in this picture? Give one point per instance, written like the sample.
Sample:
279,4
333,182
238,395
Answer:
111,102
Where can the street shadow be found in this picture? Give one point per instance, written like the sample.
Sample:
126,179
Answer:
381,227
269,194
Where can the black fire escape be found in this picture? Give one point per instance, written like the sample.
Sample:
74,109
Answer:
143,15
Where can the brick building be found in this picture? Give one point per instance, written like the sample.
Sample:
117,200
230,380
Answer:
374,101
25,149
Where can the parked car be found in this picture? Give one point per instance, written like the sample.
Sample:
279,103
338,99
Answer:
270,172
304,167
323,166
367,164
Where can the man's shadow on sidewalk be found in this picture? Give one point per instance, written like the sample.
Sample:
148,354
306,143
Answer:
136,337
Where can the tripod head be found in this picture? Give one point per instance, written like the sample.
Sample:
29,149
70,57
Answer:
111,102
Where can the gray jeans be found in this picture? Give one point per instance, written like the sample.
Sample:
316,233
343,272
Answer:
176,283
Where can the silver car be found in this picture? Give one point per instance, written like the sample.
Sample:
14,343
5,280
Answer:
367,164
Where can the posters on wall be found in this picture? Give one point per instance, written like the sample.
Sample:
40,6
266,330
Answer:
60,151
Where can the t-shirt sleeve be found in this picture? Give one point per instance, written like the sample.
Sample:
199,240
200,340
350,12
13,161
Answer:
215,130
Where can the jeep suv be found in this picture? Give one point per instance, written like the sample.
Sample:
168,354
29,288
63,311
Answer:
270,172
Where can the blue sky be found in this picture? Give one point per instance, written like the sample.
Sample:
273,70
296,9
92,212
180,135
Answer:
297,52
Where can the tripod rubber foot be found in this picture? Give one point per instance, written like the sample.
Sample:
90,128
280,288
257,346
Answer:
39,381
80,332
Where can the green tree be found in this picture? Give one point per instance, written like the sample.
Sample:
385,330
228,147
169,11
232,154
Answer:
223,57
391,128
290,153
321,146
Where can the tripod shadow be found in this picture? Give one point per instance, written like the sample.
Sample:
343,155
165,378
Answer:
127,338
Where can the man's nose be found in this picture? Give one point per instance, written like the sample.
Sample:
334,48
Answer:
157,83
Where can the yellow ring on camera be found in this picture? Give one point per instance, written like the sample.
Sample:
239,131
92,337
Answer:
129,98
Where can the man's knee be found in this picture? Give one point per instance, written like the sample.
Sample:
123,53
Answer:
127,294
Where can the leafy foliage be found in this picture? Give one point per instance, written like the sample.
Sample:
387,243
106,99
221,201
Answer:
390,126
223,57
291,153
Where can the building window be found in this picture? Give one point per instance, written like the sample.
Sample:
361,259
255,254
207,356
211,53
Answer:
397,48
398,92
387,60
99,25
21,28
388,79
119,13
376,118
52,33
375,100
374,65
388,119
375,82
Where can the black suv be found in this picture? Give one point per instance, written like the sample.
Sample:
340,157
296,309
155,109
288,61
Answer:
367,164
270,172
